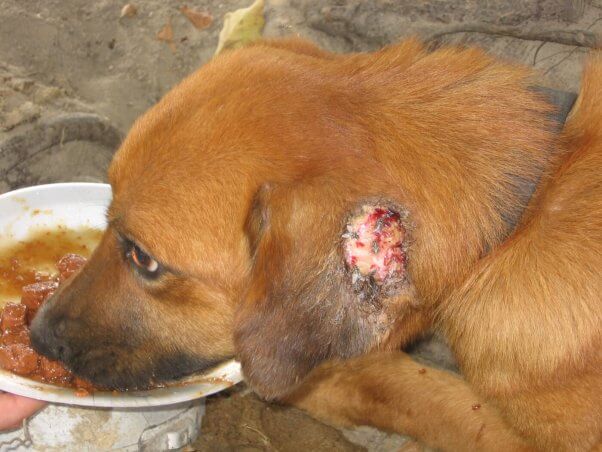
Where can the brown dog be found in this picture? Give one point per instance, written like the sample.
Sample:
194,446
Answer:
240,200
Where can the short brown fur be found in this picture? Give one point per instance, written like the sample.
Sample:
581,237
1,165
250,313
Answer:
240,182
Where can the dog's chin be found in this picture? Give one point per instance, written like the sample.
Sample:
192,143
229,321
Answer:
122,371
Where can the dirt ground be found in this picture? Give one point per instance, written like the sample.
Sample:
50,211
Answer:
74,76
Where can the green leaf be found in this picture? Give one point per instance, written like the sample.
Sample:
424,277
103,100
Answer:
241,27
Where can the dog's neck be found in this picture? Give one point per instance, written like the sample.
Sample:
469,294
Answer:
467,147
563,102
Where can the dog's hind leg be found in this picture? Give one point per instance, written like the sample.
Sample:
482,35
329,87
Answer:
392,392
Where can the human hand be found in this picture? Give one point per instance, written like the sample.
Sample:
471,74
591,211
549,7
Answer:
14,408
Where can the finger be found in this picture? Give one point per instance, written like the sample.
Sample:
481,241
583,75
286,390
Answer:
13,409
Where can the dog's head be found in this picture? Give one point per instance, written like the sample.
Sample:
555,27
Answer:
287,206
232,203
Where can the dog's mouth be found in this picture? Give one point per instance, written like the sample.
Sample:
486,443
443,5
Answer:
123,368
118,369
105,368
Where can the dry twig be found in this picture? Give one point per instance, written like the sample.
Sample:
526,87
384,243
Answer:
580,38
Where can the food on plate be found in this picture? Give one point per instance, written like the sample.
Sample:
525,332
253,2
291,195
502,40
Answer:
16,354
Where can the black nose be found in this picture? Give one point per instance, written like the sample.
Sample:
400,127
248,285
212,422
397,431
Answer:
48,338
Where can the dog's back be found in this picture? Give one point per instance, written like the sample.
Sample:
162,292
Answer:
527,326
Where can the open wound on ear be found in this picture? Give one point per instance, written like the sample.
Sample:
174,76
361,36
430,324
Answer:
374,248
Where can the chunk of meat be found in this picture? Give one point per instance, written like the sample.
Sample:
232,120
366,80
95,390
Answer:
13,317
53,371
69,264
15,337
33,295
19,358
84,386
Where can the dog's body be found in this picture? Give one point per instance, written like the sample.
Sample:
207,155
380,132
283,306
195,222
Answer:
230,200
525,327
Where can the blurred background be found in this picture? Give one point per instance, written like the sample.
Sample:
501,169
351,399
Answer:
74,75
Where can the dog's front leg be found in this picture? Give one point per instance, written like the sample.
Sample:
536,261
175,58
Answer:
392,392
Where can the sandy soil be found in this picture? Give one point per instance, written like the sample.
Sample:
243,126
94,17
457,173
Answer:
61,60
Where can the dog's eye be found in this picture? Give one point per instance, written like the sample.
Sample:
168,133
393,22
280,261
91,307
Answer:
143,262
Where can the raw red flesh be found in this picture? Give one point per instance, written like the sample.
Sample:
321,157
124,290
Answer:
374,244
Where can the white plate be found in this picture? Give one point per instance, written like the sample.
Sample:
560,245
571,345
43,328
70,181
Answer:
77,205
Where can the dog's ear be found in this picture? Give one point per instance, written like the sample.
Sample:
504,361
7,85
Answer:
311,297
